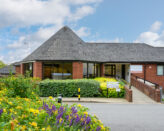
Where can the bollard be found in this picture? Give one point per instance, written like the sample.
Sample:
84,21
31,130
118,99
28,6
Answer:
79,94
60,98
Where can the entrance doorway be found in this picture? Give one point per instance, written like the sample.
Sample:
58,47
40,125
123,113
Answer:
123,72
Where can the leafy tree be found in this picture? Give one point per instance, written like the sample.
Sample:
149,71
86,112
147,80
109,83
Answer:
2,64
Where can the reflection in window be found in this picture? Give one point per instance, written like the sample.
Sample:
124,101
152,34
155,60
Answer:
160,70
28,69
58,70
110,70
91,70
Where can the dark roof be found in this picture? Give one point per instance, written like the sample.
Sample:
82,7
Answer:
16,63
7,70
66,45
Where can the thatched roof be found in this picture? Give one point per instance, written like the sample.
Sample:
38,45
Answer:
66,45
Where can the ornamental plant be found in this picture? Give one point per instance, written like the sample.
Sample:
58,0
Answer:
111,91
21,86
27,114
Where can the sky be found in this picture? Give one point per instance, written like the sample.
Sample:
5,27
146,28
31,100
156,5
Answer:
26,24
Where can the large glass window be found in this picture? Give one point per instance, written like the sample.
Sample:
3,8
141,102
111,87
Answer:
57,70
91,70
28,69
110,70
160,70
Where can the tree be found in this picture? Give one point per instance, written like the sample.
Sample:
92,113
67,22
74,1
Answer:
2,64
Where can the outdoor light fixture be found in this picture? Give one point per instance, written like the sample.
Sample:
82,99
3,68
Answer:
60,98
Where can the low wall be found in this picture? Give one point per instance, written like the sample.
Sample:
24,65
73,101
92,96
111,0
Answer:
128,94
146,89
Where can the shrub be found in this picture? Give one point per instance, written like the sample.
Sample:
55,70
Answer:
24,114
20,86
111,91
69,88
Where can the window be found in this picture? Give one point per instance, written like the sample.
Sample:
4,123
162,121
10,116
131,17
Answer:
91,70
57,70
28,69
110,70
160,70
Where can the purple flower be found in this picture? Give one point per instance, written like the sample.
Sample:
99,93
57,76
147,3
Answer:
70,124
98,128
77,119
88,120
1,111
82,123
73,110
53,108
67,117
60,115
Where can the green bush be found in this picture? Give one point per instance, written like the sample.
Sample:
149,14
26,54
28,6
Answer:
69,88
20,86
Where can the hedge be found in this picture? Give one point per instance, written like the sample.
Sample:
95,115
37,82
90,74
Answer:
69,88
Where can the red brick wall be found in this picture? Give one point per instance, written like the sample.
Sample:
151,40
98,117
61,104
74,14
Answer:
77,70
37,69
102,70
17,70
22,69
151,74
128,94
146,89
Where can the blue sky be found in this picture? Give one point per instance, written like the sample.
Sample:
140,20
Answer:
25,25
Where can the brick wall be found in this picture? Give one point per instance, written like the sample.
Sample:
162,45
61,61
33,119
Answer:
37,69
17,70
151,74
146,89
22,69
77,70
128,94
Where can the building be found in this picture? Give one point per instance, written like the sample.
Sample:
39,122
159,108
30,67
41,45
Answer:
7,70
65,55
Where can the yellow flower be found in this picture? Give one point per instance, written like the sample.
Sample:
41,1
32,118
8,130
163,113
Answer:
10,103
43,129
79,105
102,127
18,107
86,113
23,127
34,124
50,97
60,120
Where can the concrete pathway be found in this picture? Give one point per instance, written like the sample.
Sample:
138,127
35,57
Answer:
96,100
141,98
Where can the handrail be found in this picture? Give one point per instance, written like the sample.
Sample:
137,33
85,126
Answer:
156,85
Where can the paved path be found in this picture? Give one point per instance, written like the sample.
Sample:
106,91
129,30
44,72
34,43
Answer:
129,117
141,98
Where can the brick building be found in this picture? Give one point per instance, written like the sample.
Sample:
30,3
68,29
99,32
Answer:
66,56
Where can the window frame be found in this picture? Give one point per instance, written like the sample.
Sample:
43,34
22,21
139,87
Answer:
163,70
113,69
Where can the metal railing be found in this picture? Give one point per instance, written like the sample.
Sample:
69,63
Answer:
155,84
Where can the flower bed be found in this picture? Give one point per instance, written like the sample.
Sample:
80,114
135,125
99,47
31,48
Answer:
26,114
111,91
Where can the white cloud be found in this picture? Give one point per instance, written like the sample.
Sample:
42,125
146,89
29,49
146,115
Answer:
34,12
156,26
50,15
83,32
116,40
152,36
